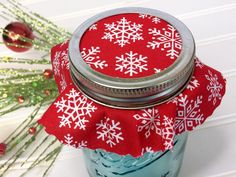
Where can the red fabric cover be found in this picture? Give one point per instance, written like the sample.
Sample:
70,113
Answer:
144,43
126,136
78,121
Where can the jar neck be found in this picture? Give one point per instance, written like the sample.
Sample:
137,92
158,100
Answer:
151,96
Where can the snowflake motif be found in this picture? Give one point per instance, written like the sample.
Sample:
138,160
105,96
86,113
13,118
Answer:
143,16
82,144
74,109
188,113
63,83
69,141
198,63
150,120
154,19
157,70
193,84
123,32
168,133
214,87
173,100
109,131
93,27
91,57
64,59
56,63
147,149
166,39
131,63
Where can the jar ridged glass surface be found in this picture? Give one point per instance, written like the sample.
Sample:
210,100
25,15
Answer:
159,164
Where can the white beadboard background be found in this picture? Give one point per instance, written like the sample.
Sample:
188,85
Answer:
211,149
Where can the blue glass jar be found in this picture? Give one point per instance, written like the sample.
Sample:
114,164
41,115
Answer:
123,92
159,164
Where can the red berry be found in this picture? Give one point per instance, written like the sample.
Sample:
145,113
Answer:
48,73
32,130
3,148
21,99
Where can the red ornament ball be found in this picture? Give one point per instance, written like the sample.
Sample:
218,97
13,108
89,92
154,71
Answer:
21,99
48,73
32,130
12,34
3,148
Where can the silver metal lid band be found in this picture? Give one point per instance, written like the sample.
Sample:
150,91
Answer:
133,103
138,92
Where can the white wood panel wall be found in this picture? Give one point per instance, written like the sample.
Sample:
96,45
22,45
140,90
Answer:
213,25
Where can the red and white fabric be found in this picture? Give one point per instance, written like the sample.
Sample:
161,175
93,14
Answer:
129,46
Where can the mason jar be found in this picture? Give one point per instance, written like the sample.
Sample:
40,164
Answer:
172,48
100,163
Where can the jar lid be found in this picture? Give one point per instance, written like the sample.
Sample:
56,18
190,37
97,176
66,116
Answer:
131,58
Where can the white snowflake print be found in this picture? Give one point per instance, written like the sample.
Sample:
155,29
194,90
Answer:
143,16
157,70
82,144
91,57
154,19
167,39
93,27
56,63
168,133
60,59
188,113
173,100
193,84
123,32
198,63
150,121
214,87
147,149
131,63
109,131
64,59
69,141
74,109
63,83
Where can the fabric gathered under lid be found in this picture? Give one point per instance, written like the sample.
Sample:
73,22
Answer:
78,121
